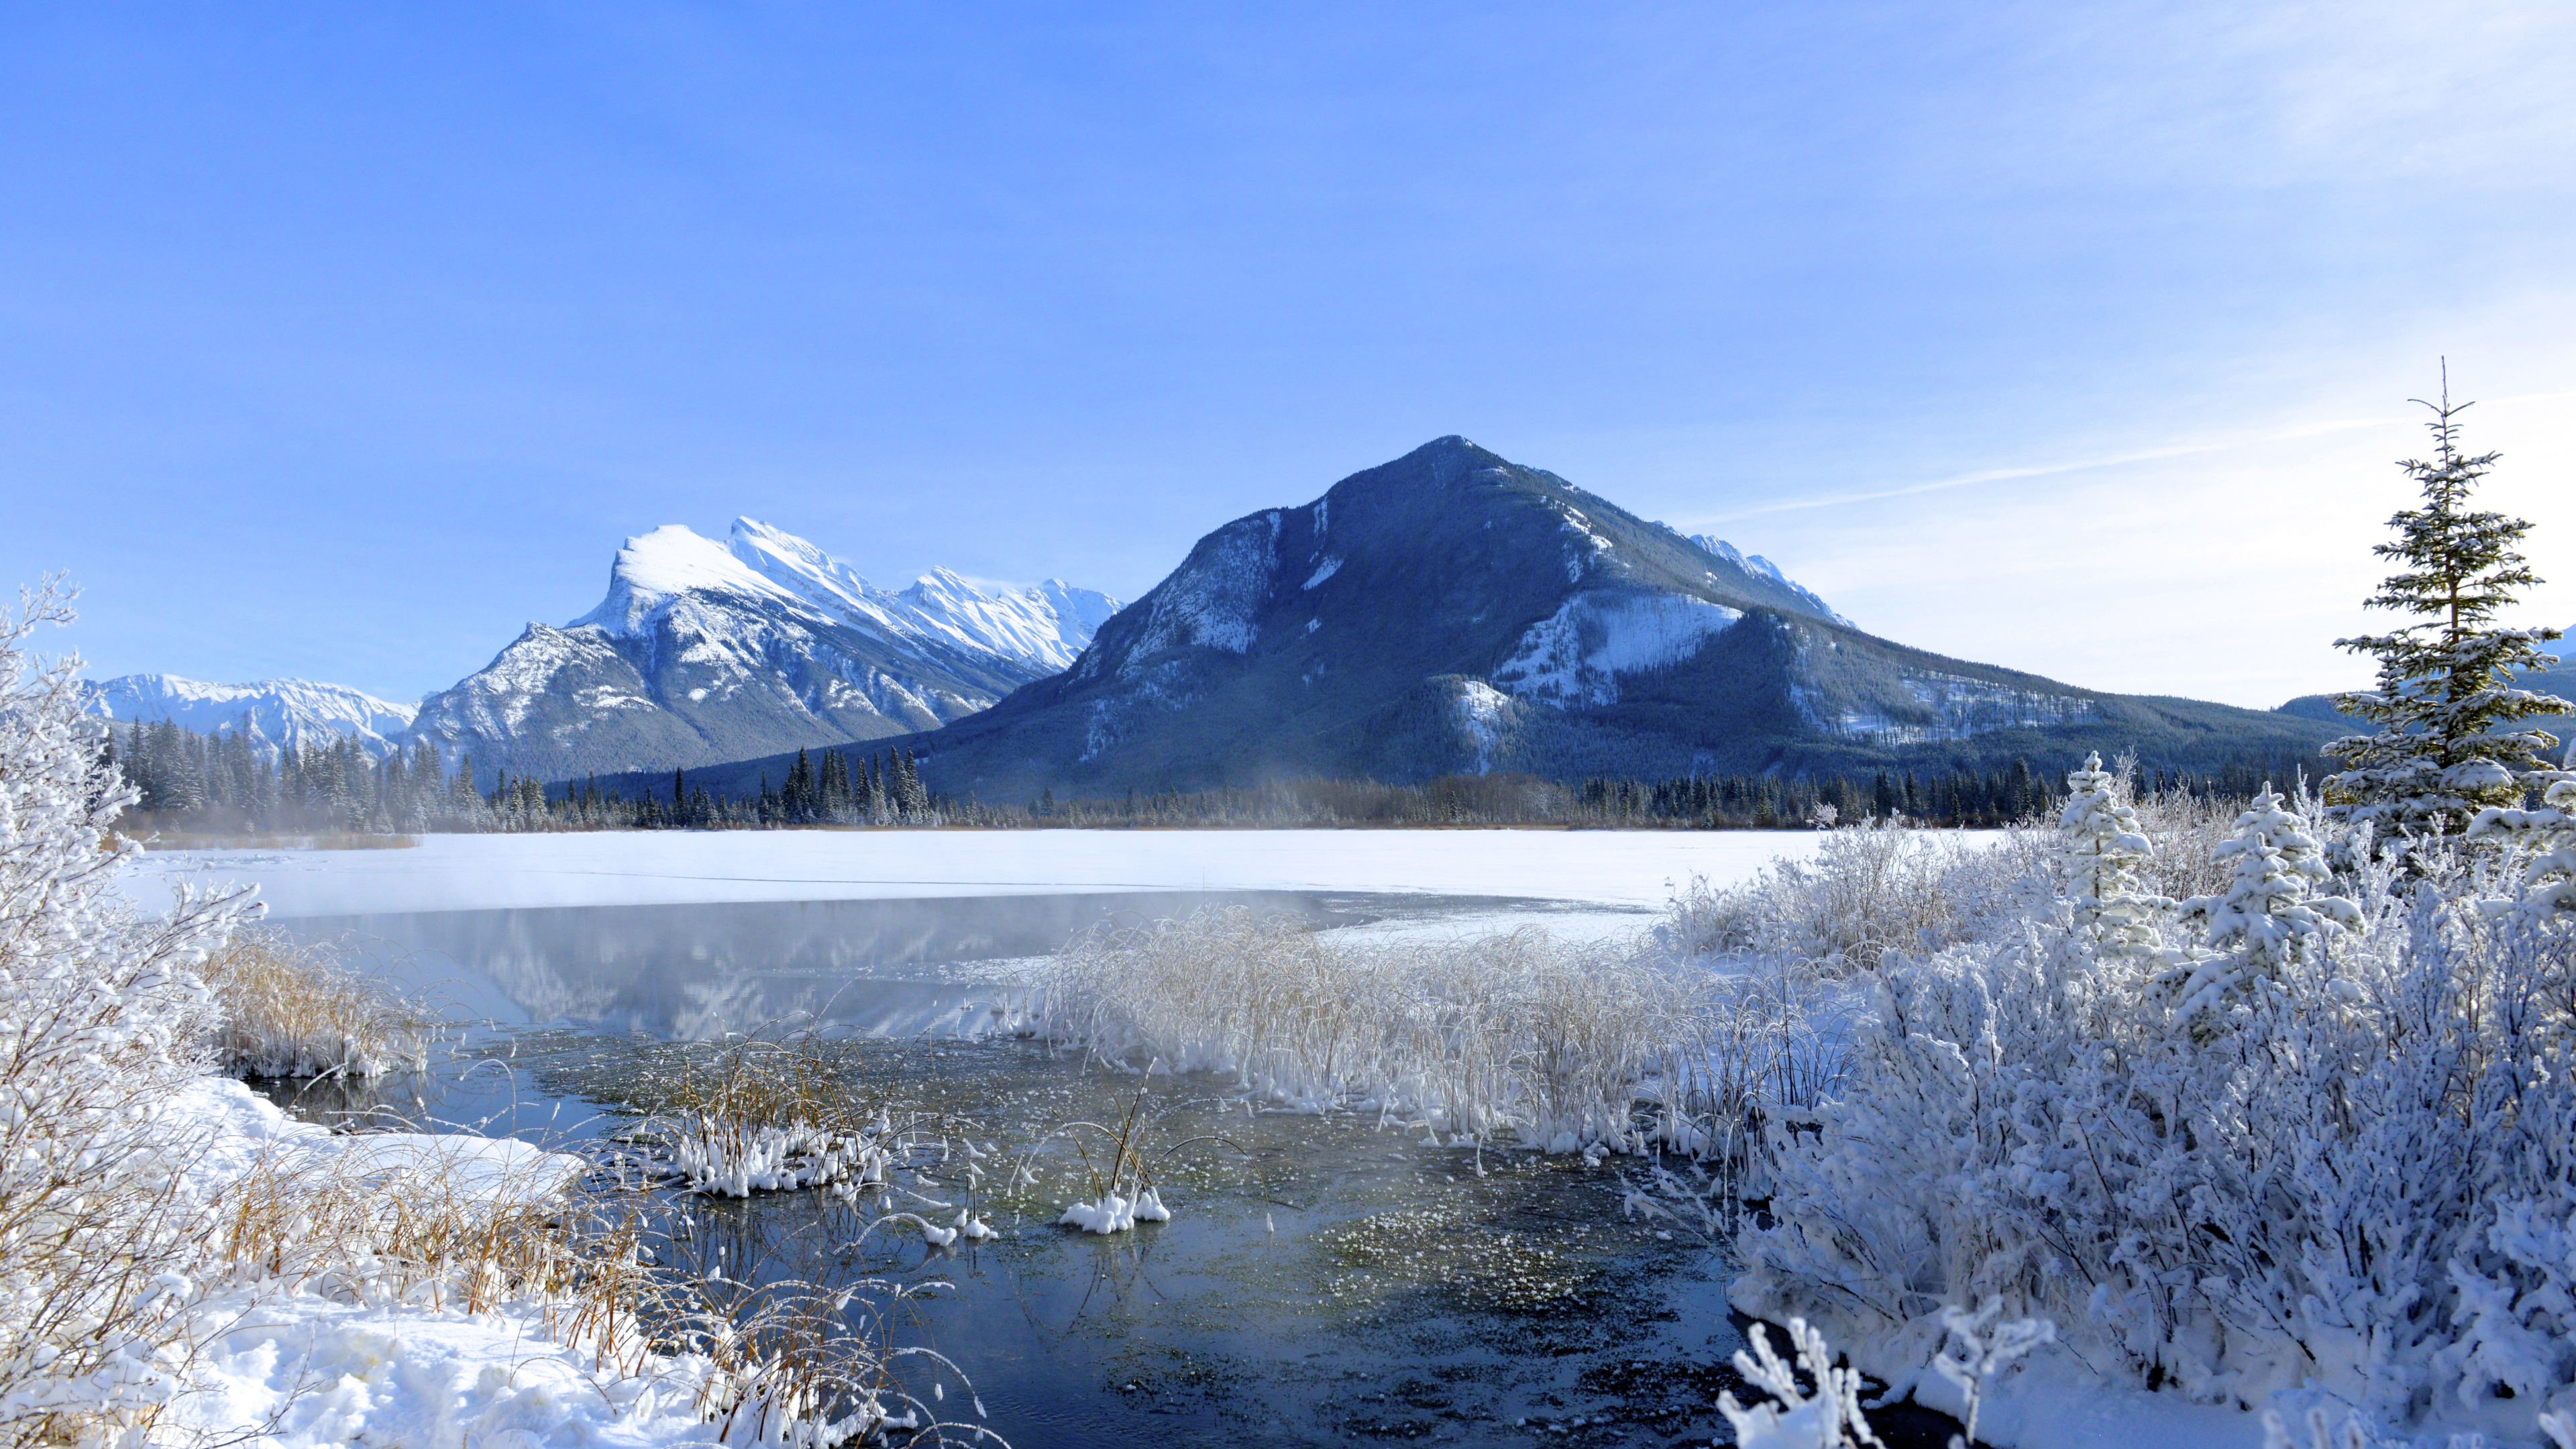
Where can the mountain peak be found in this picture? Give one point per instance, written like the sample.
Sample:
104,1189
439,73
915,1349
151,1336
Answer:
653,568
705,650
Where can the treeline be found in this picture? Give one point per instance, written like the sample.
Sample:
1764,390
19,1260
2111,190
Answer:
221,782
218,783
1959,797
1963,797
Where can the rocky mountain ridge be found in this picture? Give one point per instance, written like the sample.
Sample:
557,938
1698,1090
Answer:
1454,612
705,651
271,713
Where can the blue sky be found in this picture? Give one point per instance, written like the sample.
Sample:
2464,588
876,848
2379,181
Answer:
339,342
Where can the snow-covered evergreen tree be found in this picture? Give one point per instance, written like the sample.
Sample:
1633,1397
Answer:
2104,846
2549,834
2447,710
2266,922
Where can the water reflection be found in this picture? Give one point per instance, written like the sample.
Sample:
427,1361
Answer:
696,972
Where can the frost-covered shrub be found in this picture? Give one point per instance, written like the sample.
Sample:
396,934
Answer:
1547,1040
97,1010
1870,888
2268,923
2546,841
2105,849
2365,1181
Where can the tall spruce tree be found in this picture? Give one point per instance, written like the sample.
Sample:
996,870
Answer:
2448,742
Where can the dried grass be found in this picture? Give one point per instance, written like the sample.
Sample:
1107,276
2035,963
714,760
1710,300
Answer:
1520,1035
1871,888
766,1113
285,1010
773,1362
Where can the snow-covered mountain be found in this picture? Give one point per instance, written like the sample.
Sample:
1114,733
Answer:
270,712
1756,563
1452,611
707,651
1043,628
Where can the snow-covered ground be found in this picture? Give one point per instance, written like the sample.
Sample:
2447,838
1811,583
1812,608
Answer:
279,1365
1629,869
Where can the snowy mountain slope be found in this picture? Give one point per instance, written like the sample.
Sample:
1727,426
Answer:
1755,563
1042,627
706,651
275,712
1453,611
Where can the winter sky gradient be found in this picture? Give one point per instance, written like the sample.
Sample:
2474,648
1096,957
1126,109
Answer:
338,342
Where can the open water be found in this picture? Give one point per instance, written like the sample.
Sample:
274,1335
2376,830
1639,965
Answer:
1326,1279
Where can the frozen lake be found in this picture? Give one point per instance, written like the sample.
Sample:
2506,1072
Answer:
1629,869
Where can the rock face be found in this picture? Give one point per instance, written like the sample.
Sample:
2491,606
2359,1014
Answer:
714,652
1452,612
271,713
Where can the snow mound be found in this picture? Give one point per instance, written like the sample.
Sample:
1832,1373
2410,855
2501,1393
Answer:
1115,1214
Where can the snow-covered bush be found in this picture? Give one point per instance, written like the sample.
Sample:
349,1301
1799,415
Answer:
2105,848
2546,841
1871,887
1816,1399
2355,1169
97,1017
2267,924
1824,1412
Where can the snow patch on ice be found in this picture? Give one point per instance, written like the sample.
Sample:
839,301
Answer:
1115,1214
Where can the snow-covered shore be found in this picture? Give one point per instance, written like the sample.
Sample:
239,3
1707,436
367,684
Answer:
273,1363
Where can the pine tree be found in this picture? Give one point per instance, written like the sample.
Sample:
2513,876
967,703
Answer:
2446,707
2104,846
2265,922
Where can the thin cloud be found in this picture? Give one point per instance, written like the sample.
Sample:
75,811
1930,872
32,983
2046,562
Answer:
2001,475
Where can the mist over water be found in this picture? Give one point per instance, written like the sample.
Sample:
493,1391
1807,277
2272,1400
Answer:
1325,1279
694,972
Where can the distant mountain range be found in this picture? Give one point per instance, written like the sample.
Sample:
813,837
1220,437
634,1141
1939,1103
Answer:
701,651
1455,612
270,713
1449,612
